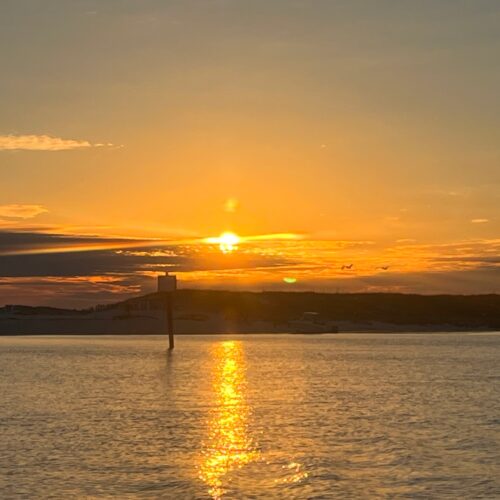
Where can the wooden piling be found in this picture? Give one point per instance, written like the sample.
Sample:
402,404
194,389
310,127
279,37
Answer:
167,285
170,319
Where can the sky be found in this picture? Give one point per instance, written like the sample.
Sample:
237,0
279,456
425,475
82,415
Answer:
352,146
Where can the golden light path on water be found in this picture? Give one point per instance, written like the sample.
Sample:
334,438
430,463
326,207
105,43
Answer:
229,445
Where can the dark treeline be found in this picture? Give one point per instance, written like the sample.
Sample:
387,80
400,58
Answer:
391,308
457,310
474,310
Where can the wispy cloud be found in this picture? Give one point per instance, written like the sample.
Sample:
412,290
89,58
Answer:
70,291
44,143
479,221
18,211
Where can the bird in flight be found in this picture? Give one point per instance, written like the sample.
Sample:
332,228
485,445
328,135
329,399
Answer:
346,266
384,268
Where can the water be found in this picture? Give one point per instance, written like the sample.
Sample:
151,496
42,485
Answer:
341,416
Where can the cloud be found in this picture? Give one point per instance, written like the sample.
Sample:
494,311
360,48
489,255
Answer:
24,254
86,269
78,292
44,143
70,270
479,221
479,280
17,211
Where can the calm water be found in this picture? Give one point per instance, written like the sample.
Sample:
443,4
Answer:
341,416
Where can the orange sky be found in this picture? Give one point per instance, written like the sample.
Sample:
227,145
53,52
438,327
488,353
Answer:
368,130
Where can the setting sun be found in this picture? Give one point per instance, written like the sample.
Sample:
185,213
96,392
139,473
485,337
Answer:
227,241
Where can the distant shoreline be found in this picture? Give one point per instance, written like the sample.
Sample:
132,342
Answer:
395,331
209,312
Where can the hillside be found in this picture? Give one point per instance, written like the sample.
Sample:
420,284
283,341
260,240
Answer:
458,310
205,311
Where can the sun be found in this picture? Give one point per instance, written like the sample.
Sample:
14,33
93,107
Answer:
228,242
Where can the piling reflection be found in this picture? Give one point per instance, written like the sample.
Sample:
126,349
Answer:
228,445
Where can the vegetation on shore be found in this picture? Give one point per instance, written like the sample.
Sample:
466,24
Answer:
472,311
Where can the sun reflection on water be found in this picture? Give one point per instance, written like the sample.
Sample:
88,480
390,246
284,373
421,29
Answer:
228,446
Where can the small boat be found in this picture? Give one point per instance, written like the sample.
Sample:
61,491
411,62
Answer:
311,322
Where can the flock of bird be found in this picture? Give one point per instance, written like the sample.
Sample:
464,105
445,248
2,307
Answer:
351,266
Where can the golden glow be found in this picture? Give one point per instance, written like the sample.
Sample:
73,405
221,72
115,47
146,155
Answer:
274,236
105,244
227,242
228,446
